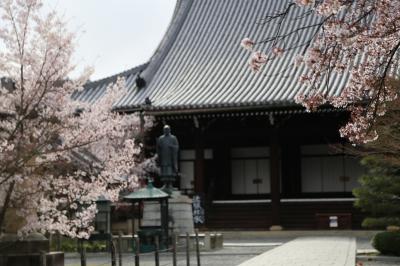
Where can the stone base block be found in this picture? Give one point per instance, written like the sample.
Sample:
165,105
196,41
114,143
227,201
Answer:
32,259
213,241
276,228
34,243
179,210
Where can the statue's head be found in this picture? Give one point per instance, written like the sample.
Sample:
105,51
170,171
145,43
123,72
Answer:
167,130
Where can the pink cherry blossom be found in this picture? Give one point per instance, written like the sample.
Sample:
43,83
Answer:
257,60
298,60
64,159
359,39
277,51
247,44
304,2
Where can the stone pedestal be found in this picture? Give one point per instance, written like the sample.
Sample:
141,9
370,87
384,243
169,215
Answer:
276,228
32,251
33,259
179,211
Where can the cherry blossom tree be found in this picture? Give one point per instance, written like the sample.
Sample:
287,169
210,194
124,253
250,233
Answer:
356,37
57,155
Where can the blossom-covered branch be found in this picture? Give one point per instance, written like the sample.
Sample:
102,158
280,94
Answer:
57,155
359,38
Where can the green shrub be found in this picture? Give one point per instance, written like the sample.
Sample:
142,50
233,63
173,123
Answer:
71,245
68,246
98,246
387,243
379,193
380,223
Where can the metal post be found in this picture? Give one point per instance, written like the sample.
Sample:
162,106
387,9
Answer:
156,254
197,247
83,252
137,250
43,260
119,249
174,240
164,221
187,250
113,257
58,242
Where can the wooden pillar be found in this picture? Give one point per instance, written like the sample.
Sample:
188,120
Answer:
291,169
275,179
199,163
222,172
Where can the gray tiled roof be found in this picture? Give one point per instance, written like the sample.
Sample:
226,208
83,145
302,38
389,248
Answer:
200,65
95,89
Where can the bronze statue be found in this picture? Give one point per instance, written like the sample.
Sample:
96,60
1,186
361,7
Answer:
167,151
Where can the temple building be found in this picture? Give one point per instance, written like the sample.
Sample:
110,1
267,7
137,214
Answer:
255,157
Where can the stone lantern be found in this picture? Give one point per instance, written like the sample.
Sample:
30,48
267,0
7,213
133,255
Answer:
148,233
103,217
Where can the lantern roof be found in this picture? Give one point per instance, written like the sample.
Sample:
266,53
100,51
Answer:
147,193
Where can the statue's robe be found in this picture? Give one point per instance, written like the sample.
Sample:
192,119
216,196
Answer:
167,150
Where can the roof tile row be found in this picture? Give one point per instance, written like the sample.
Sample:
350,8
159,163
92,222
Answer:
200,64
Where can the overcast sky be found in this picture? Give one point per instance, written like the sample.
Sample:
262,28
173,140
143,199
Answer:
114,35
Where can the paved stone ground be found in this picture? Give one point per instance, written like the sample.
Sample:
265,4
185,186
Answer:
309,251
228,256
231,255
379,261
364,243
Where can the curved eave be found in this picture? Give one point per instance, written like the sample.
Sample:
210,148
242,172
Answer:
207,108
229,109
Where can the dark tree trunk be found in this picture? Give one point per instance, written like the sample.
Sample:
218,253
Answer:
6,204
